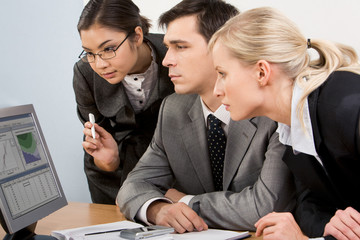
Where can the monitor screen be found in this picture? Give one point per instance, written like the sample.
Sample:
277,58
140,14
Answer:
29,186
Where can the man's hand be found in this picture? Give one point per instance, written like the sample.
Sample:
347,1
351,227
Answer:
178,215
279,226
345,224
174,195
103,148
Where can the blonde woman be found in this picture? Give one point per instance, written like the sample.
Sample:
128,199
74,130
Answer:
265,69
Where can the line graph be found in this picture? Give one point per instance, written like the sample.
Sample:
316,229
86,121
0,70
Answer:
7,158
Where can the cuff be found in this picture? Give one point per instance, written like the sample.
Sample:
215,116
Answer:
141,214
186,199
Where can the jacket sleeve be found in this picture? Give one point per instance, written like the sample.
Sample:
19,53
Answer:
273,191
151,177
84,93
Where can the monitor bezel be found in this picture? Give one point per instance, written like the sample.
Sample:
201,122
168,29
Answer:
31,217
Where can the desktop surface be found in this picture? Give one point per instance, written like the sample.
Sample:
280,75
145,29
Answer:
77,214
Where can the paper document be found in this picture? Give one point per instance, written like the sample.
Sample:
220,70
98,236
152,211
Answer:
211,234
79,233
113,233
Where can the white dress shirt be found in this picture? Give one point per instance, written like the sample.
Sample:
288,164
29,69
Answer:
139,86
301,140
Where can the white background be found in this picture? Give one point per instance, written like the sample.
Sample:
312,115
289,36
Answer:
39,44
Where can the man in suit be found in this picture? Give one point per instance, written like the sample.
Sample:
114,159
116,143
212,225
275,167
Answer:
174,183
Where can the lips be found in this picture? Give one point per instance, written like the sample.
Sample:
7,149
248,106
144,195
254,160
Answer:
226,106
108,74
173,76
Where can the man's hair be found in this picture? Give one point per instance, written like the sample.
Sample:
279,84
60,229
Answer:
211,14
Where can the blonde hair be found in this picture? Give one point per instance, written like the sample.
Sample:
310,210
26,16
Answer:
266,34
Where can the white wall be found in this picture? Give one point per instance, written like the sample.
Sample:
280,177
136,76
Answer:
39,44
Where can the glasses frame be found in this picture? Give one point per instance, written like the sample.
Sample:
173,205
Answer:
83,54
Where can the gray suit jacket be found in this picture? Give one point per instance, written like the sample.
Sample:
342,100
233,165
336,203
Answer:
256,181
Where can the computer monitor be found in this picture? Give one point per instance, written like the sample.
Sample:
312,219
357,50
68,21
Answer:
29,186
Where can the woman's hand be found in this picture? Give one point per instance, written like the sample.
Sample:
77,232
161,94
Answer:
103,147
345,224
279,226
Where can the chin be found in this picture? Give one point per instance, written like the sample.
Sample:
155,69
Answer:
113,81
237,117
180,90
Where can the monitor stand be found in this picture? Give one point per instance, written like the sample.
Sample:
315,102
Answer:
27,234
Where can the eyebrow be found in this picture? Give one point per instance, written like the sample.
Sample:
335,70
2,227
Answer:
100,46
217,68
176,41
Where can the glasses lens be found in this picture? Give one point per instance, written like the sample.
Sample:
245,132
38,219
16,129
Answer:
89,57
107,54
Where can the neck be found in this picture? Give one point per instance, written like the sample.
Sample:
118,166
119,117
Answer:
211,101
144,59
280,107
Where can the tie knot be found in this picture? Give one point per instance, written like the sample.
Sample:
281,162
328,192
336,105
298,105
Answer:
213,121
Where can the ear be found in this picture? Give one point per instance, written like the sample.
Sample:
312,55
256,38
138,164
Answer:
139,36
263,72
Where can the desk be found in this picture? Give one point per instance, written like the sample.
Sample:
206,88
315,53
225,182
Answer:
77,214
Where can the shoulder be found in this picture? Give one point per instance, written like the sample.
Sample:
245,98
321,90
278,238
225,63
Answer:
155,37
338,101
339,85
156,40
264,124
82,70
180,102
340,91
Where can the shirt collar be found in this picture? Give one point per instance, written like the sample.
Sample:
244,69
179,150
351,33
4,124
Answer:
220,113
300,139
140,77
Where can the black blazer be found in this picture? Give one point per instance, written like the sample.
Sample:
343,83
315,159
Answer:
335,116
113,111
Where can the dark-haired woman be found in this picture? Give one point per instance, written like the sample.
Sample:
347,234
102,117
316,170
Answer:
119,79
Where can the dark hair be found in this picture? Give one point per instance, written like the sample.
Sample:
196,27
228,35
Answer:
121,15
211,14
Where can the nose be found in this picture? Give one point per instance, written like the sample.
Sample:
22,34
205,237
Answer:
169,59
219,88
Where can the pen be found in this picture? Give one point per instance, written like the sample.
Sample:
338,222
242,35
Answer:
92,120
103,232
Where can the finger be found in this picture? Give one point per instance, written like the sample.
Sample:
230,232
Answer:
331,230
205,226
89,145
347,224
101,131
268,231
263,223
196,221
87,132
177,226
355,215
261,219
87,125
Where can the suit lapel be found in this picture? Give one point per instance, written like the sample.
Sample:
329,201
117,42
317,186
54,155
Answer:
194,138
239,138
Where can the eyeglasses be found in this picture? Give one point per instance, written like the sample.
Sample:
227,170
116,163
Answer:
104,54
